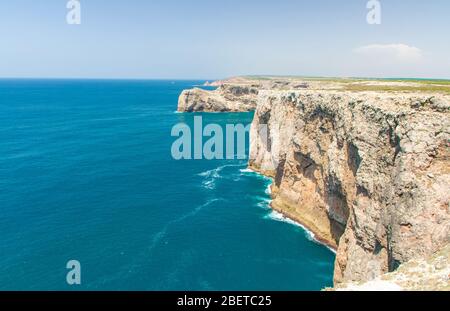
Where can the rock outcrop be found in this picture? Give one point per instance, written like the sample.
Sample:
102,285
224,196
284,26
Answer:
226,98
240,94
367,171
420,274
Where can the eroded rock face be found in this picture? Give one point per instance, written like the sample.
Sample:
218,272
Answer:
238,94
368,173
226,98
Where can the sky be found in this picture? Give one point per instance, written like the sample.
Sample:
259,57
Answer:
199,39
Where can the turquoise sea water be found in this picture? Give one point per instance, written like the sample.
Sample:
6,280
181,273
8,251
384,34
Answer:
86,173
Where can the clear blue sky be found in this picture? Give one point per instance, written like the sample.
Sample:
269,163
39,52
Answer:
215,39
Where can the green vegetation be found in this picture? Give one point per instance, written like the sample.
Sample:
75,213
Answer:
426,88
369,84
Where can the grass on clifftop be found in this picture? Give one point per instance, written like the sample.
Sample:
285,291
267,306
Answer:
371,84
431,88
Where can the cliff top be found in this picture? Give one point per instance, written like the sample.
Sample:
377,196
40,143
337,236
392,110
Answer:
241,93
429,274
340,84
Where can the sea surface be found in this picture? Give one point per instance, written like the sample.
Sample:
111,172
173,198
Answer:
86,174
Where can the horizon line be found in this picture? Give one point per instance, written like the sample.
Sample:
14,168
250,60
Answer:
219,79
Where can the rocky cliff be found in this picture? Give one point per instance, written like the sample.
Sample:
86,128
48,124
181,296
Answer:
235,94
226,98
368,171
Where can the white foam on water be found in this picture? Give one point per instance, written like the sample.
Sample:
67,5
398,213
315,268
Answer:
211,176
211,173
247,170
209,184
218,169
263,202
277,216
261,198
264,205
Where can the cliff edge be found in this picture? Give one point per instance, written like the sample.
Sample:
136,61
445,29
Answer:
368,173
421,274
365,165
226,98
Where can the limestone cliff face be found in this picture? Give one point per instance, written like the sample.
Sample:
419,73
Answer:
226,98
368,172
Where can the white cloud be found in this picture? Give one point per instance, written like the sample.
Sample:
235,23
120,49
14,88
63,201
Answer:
391,52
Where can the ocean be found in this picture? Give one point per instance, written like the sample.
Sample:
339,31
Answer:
86,174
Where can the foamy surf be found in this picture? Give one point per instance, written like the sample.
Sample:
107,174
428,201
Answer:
247,170
277,216
216,171
211,176
264,205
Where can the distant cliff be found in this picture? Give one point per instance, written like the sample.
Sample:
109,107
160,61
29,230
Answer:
232,95
365,167
226,98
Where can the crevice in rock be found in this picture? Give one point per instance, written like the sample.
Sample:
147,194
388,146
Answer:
306,166
325,117
394,141
378,248
362,191
338,209
354,159
280,172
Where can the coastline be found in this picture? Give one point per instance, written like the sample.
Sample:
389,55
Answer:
336,178
315,236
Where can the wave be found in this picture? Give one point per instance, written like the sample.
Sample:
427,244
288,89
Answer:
277,216
214,173
264,204
260,198
247,170
269,189
218,169
211,176
274,215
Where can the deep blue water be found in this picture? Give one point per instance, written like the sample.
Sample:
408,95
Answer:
86,173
